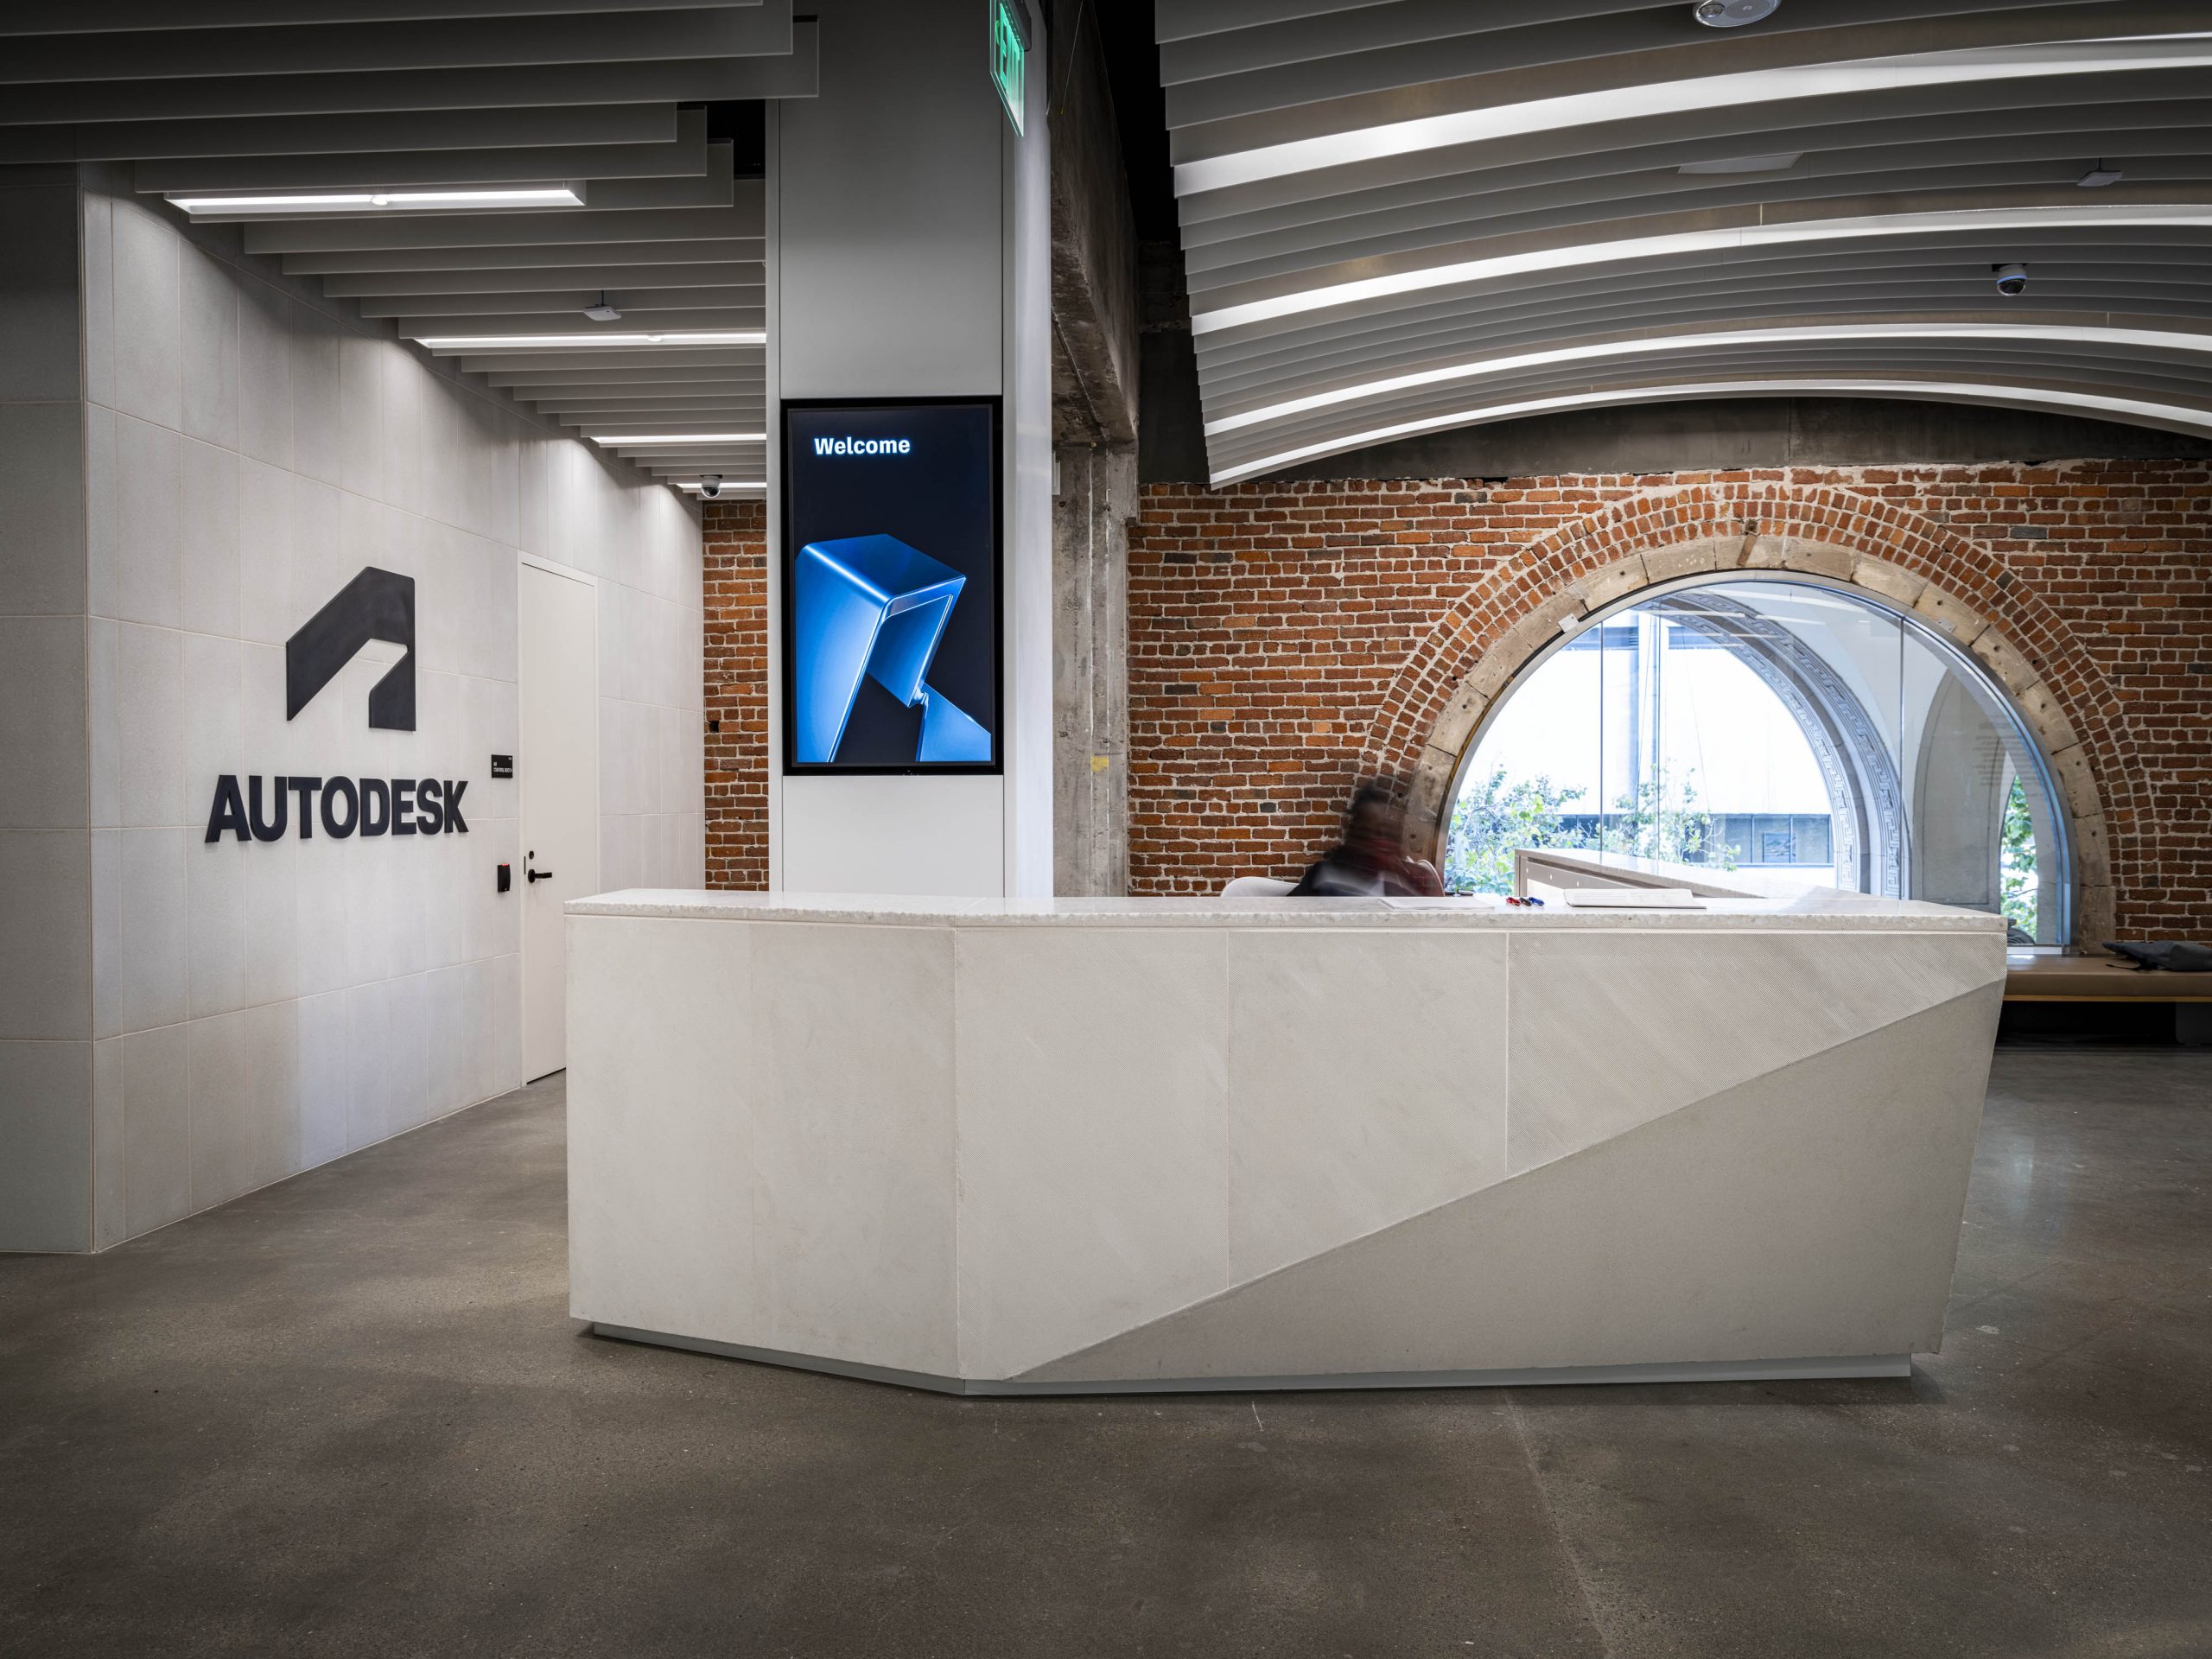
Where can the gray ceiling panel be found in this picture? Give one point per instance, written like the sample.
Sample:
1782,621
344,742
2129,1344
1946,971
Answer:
1992,105
1444,343
708,406
1229,114
1535,210
2049,161
356,126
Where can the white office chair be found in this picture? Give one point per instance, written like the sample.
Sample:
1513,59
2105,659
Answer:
1256,887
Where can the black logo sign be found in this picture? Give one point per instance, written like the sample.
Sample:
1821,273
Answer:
375,605
373,806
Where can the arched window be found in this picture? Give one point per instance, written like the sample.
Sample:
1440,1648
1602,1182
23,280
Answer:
1772,723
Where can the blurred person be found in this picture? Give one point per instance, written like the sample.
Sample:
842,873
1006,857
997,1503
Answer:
1372,860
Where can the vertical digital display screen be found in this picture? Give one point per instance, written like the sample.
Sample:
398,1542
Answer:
891,586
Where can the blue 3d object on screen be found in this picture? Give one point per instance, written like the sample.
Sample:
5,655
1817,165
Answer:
872,604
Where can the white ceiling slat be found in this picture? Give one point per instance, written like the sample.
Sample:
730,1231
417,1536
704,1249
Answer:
525,255
282,135
559,383
681,156
444,43
477,361
713,186
358,91
743,220
1227,115
735,273
1344,271
564,302
97,16
684,320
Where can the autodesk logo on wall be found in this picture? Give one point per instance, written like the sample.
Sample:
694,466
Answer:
376,604
863,447
872,605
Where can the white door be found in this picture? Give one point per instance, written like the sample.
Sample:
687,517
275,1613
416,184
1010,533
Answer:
557,766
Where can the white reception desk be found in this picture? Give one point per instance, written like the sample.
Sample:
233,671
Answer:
1088,1145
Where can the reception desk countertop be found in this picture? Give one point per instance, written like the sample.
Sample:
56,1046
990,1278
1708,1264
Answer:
1081,1144
1817,909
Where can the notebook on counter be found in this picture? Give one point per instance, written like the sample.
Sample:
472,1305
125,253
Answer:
1630,898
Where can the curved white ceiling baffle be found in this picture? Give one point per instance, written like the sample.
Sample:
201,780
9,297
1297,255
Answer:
477,171
1407,215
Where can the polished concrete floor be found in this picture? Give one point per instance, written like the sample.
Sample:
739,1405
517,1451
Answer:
349,1414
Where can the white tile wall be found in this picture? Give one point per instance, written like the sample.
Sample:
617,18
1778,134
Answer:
246,448
42,731
45,1054
48,1089
42,531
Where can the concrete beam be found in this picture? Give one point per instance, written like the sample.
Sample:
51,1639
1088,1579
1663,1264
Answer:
1094,244
1091,511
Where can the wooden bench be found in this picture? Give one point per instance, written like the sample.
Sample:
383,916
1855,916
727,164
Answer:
2109,979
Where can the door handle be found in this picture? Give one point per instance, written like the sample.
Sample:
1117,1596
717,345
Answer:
531,872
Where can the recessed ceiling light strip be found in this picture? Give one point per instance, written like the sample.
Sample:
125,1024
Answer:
1980,65
2139,339
2173,416
597,339
622,441
1975,220
380,200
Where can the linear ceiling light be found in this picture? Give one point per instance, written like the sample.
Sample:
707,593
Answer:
368,202
2175,416
626,442
2148,338
599,337
1684,97
1975,220
726,484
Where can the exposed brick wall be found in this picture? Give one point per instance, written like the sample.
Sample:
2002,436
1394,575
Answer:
1286,639
736,561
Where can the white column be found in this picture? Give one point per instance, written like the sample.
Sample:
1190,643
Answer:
908,244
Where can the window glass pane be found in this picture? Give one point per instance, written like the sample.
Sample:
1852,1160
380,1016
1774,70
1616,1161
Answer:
1774,725
1534,782
1983,828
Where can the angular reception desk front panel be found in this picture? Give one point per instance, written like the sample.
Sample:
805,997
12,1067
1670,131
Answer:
1052,1146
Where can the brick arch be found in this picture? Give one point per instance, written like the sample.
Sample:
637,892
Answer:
1436,701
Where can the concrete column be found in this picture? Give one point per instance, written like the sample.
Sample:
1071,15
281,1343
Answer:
1092,513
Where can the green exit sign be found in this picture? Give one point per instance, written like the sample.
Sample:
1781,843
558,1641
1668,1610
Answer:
1009,57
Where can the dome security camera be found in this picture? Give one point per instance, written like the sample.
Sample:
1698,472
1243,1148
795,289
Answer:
1734,14
2011,280
711,486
